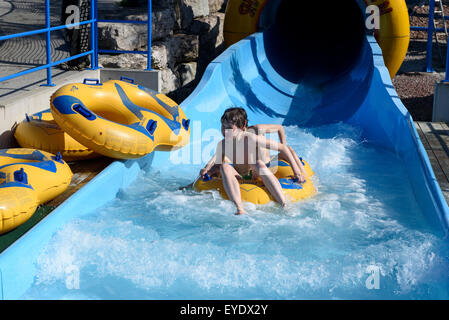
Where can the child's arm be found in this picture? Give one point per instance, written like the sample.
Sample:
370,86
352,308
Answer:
283,150
267,128
208,166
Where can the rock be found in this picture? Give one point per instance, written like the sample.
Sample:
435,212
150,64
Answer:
121,36
123,61
183,15
133,3
184,47
170,81
187,10
217,6
163,23
210,31
186,36
163,4
186,72
131,37
159,56
171,51
200,8
210,27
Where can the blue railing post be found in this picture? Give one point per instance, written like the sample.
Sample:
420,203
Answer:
96,33
430,32
93,33
48,43
149,36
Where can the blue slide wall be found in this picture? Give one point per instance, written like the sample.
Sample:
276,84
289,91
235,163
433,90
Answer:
278,77
306,83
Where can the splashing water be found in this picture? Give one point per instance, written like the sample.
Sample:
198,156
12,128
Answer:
362,237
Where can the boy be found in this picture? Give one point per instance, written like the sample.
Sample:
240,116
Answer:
212,169
244,154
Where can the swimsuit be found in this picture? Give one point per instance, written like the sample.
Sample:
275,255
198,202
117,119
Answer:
249,176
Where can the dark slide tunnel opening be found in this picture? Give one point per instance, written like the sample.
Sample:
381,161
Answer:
320,41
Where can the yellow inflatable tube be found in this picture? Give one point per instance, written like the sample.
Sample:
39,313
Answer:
40,131
28,178
393,36
119,119
257,193
242,19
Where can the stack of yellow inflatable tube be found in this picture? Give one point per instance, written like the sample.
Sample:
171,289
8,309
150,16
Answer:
256,193
28,178
40,131
119,119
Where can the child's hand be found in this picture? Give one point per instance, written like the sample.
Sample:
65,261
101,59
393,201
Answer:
299,178
203,173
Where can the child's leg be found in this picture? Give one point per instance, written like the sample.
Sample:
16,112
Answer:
232,186
297,160
270,181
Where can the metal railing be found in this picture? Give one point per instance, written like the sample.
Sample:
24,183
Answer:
430,33
93,52
148,23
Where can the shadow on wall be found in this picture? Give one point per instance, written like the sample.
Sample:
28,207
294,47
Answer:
246,91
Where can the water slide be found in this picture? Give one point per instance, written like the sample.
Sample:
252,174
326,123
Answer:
313,72
298,72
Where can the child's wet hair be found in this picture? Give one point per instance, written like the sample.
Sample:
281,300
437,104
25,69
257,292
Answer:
235,116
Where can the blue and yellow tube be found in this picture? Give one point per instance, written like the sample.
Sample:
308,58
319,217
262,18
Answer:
28,178
255,192
40,131
119,119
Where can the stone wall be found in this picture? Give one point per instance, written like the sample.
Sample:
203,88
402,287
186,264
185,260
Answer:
186,36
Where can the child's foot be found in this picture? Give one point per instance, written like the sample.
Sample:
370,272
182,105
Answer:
240,211
190,186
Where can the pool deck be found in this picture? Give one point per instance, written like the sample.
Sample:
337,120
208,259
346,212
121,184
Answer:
435,138
83,172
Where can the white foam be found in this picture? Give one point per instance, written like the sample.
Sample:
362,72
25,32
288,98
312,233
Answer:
164,243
